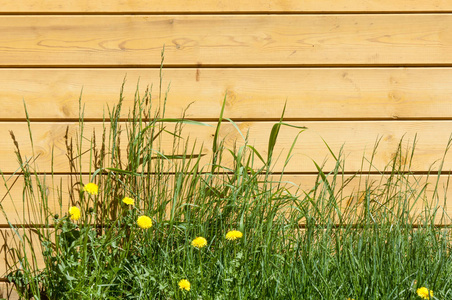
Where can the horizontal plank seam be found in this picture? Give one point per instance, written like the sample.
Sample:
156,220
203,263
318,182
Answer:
265,121
241,120
222,67
301,226
124,121
203,13
289,173
230,66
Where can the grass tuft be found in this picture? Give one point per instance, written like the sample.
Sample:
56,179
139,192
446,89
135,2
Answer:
220,230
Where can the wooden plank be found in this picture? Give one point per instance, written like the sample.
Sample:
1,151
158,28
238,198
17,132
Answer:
426,203
9,240
33,208
356,137
149,6
348,188
352,192
252,93
7,291
273,40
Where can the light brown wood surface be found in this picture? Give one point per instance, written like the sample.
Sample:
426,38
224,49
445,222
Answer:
9,239
346,68
226,40
428,202
8,292
252,93
357,138
348,190
149,6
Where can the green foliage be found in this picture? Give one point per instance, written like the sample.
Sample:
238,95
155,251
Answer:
297,244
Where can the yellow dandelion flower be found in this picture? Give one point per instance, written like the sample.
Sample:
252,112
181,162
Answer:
350,299
128,201
199,242
144,222
424,293
91,188
233,235
184,284
74,213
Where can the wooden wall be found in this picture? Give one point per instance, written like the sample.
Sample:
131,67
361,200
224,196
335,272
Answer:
350,70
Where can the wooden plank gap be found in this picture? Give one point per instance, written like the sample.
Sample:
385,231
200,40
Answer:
229,66
228,12
331,119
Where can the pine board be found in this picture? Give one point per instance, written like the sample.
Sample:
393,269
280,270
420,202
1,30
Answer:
426,203
262,6
251,93
356,137
12,204
7,291
226,40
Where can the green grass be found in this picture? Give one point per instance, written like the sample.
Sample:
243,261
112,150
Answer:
296,244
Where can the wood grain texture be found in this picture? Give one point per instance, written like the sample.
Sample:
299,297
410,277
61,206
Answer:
149,6
8,259
357,138
7,291
251,93
226,40
347,189
426,203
